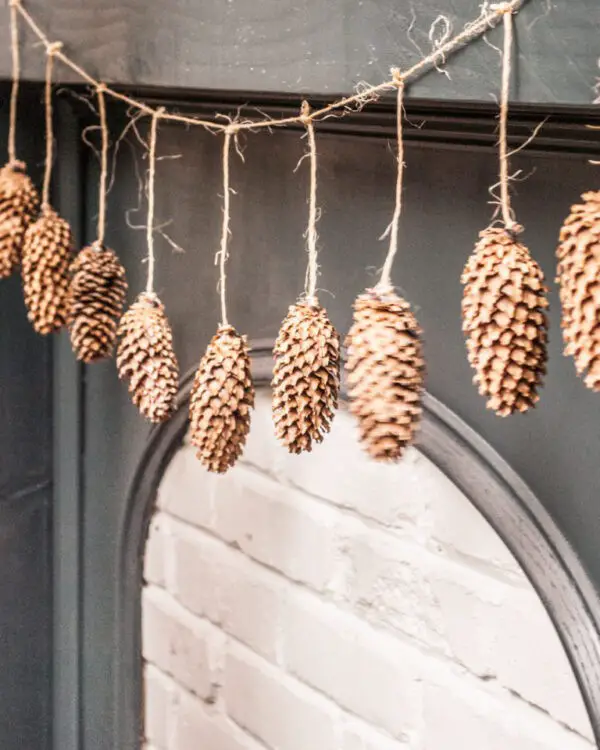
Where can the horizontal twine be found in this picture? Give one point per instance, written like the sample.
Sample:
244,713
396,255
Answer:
471,31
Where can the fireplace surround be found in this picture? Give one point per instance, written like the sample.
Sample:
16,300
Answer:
81,530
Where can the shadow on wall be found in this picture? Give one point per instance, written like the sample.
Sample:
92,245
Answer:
324,602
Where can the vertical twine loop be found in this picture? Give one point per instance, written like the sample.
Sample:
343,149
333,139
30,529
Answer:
223,254
385,281
151,179
16,79
310,286
100,92
507,212
51,51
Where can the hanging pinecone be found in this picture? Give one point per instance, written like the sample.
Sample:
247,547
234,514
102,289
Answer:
385,373
306,377
145,357
47,253
221,401
504,321
96,299
579,278
19,205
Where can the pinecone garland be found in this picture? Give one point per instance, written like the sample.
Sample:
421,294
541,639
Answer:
47,253
306,377
504,321
19,205
579,278
385,373
96,299
221,401
145,357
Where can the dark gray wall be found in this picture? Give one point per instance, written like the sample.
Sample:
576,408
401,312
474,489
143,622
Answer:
25,515
313,46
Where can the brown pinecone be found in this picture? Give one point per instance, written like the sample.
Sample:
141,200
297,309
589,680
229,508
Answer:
96,299
504,321
385,373
306,377
19,205
221,401
47,254
146,359
579,278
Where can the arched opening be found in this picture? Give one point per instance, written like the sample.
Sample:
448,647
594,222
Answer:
383,576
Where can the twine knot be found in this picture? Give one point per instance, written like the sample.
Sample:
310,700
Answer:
101,88
513,230
232,129
397,77
53,48
305,117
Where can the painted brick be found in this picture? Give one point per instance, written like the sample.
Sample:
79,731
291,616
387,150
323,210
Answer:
456,718
503,632
459,528
278,526
187,489
155,558
160,701
388,584
179,644
325,602
262,448
276,710
394,495
218,582
370,674
195,726
357,736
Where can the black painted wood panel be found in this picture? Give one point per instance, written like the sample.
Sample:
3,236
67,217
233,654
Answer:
313,46
25,507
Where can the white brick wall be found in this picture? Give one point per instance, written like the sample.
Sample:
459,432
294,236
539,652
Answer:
323,602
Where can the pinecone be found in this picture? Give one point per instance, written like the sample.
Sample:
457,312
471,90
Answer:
47,252
221,401
96,299
385,373
579,278
306,377
504,321
19,205
146,359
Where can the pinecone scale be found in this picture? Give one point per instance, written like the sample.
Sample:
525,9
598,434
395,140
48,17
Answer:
505,323
47,255
19,205
96,299
306,377
146,359
578,275
221,401
385,373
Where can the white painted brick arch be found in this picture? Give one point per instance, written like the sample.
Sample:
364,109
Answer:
324,602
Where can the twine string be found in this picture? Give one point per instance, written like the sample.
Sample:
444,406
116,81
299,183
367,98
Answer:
222,253
311,230
103,165
385,281
16,79
472,31
151,198
507,212
52,50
